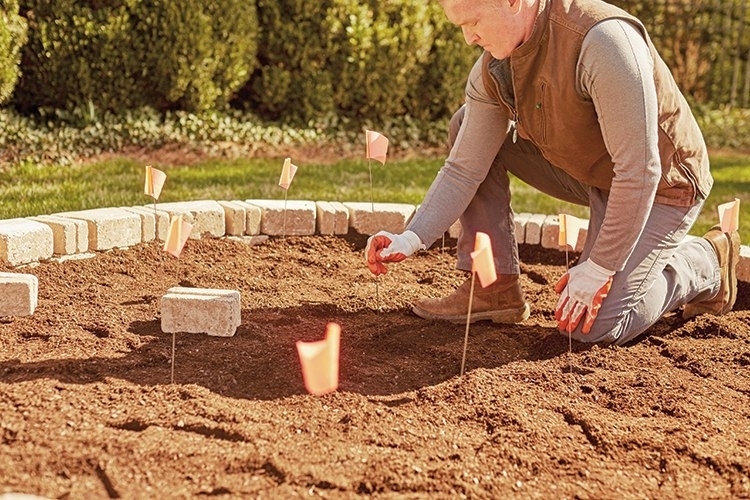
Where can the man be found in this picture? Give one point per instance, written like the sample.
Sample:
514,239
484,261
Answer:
571,97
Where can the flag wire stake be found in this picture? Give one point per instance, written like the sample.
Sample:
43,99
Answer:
570,332
468,322
372,199
283,231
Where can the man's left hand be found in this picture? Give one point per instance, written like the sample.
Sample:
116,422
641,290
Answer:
583,289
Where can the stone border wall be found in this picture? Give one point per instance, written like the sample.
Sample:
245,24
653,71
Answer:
66,235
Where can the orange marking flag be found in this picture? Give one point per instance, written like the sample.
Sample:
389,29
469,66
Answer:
377,146
287,173
483,262
177,235
569,228
729,216
154,182
320,361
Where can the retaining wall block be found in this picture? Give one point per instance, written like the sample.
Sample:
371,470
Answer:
332,218
23,241
369,218
743,267
235,218
154,222
520,220
109,227
70,236
212,311
18,294
206,216
286,217
533,234
252,217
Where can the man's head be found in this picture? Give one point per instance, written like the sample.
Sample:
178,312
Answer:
499,26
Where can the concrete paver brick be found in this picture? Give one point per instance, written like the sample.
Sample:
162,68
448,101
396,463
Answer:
519,221
109,227
534,224
286,217
206,216
252,217
212,311
743,267
23,241
332,218
70,236
369,218
18,294
235,218
154,222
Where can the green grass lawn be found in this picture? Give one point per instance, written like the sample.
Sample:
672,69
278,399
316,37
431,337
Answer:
31,189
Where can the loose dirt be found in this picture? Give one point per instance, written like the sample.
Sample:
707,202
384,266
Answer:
87,409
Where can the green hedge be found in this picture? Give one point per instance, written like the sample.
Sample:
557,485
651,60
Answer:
292,79
120,55
12,38
292,61
355,61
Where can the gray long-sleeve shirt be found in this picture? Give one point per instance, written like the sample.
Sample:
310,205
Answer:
615,71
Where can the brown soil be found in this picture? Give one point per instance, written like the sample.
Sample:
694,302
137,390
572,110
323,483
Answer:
87,409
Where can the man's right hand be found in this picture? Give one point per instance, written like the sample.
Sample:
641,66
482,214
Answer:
387,247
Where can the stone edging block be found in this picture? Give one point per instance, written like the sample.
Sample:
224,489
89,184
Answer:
109,227
23,241
18,294
200,310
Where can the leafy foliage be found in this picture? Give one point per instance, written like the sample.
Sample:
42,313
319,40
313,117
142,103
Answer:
13,35
119,56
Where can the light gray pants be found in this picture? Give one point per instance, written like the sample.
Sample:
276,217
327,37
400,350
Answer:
663,273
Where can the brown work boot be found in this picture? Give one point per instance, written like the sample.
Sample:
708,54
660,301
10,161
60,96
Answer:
727,248
501,302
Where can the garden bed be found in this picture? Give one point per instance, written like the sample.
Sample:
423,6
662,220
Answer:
87,409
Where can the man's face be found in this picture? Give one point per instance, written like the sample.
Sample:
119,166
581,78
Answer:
494,25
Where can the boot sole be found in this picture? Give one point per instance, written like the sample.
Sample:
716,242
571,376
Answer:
507,316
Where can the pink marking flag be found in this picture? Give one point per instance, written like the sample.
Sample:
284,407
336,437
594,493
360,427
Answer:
483,262
377,146
729,216
177,235
154,182
320,361
569,228
287,173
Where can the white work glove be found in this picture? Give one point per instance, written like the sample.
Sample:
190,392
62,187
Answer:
582,290
386,247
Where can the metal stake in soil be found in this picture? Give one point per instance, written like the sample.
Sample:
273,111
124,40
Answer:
468,322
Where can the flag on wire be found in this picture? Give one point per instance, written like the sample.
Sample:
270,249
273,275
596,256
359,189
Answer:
729,216
154,182
483,262
569,228
177,235
377,146
287,173
320,361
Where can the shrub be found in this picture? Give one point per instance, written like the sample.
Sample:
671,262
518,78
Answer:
441,88
381,47
12,37
334,60
124,54
292,81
